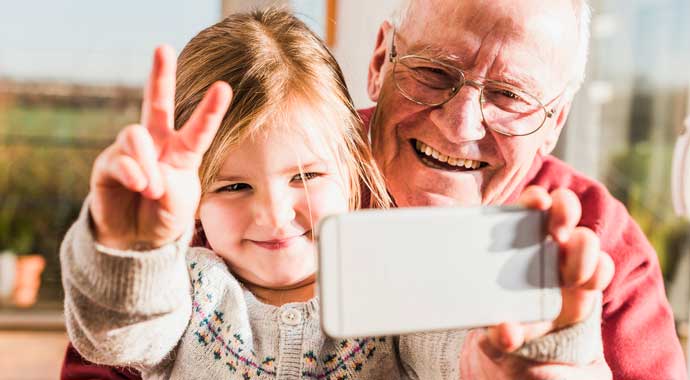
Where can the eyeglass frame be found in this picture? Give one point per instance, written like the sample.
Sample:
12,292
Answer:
394,59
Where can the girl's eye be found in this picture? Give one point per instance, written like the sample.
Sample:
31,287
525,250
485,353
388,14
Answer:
305,176
234,187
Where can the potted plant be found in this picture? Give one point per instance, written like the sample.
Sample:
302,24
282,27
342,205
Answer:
20,270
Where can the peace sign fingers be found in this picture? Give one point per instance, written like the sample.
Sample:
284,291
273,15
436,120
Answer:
158,107
181,149
193,139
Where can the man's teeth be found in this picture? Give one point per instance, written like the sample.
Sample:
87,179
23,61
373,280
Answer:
453,161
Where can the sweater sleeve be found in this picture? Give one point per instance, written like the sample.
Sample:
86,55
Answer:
432,355
124,308
579,344
639,332
438,355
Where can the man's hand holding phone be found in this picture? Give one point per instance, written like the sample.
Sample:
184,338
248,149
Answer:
585,271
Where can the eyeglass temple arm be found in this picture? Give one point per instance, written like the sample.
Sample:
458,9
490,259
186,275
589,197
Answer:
393,52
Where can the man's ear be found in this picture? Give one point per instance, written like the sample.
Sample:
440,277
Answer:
378,59
552,135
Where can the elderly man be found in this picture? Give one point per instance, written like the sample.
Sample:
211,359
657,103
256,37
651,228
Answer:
471,97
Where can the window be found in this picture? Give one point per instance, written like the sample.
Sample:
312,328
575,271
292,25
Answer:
628,115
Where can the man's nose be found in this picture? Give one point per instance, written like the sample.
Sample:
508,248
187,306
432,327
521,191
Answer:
274,209
460,119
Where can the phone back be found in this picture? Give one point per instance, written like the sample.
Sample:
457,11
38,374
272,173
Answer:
421,269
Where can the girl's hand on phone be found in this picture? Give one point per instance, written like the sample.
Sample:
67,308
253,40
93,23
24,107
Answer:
145,187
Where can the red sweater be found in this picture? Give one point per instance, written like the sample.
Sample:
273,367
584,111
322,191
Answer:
637,324
639,333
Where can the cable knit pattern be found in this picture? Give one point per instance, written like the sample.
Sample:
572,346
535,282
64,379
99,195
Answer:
127,272
178,313
440,351
580,343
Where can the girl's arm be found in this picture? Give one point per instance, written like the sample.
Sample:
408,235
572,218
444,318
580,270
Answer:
127,289
124,308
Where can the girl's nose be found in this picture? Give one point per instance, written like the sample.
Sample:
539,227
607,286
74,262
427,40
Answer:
274,210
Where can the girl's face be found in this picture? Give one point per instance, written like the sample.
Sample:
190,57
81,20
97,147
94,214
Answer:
259,213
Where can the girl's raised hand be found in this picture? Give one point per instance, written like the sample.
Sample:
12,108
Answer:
145,187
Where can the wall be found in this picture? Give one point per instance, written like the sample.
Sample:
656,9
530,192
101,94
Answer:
358,23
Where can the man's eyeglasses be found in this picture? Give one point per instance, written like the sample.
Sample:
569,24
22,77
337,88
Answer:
505,108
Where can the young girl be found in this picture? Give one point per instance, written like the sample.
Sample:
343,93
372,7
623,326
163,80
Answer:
286,153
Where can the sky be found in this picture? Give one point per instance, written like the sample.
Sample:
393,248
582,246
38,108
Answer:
110,42
89,41
103,42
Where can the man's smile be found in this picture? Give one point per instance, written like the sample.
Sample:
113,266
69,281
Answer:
433,158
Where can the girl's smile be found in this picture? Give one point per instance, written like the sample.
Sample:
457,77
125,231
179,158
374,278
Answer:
278,243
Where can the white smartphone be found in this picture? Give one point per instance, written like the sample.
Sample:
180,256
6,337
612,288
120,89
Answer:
389,272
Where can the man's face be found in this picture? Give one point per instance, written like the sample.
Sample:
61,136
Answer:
529,44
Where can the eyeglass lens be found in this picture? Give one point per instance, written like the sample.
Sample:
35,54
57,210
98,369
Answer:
505,108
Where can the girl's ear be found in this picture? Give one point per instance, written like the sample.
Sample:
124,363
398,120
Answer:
378,60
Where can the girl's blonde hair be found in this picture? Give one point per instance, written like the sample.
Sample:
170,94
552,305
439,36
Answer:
273,61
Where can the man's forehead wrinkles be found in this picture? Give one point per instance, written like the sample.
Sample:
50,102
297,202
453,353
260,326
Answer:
497,60
492,45
439,53
456,48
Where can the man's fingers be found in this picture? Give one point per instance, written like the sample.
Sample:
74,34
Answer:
563,205
585,273
535,197
158,108
577,306
489,347
506,337
509,336
579,257
564,215
196,135
602,275
136,142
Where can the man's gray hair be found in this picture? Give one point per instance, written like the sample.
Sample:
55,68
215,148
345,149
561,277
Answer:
583,15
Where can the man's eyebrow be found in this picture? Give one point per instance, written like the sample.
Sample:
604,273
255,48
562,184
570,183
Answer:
438,53
525,82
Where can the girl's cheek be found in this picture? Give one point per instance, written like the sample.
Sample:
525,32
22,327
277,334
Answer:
328,200
224,223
